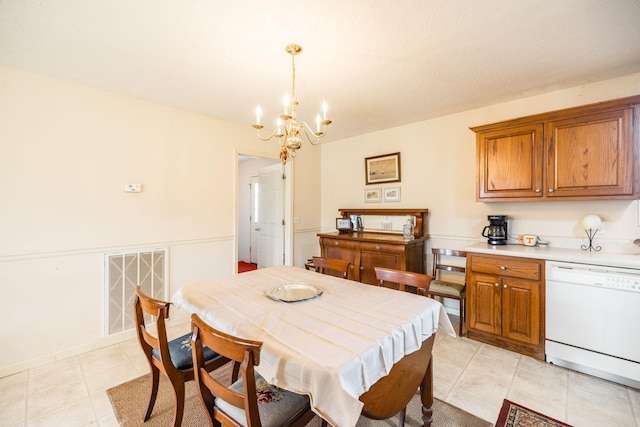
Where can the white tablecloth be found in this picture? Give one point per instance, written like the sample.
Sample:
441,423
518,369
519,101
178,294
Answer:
333,347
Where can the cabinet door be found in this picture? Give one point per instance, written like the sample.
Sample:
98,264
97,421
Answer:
483,303
510,162
590,155
340,249
373,255
521,310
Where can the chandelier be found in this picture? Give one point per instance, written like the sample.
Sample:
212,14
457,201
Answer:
288,129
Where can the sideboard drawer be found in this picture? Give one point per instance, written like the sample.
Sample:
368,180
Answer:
344,244
382,247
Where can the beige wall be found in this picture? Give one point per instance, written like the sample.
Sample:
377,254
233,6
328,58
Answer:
438,173
66,152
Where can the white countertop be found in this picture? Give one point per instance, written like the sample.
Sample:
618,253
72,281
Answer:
615,259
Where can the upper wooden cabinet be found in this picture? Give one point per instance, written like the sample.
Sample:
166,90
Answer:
582,153
510,162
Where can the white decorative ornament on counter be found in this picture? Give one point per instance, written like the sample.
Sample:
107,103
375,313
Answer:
591,222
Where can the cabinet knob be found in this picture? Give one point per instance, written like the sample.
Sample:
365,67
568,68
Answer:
551,190
502,267
504,286
361,268
336,243
497,285
538,190
377,247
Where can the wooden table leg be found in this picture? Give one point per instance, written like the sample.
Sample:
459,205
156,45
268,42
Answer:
426,395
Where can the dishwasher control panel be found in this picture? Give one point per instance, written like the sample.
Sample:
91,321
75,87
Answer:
625,279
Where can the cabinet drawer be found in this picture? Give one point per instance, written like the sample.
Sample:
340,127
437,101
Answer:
382,247
524,268
344,244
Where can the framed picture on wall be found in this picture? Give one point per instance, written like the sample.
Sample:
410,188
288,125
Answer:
385,168
372,195
391,194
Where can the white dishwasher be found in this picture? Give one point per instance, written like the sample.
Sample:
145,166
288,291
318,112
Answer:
593,320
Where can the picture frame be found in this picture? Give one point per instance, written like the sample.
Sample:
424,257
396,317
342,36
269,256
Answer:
372,195
391,194
343,225
382,169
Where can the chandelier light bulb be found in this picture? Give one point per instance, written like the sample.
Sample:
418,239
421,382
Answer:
258,114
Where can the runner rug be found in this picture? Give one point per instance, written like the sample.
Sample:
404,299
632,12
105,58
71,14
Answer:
514,415
129,401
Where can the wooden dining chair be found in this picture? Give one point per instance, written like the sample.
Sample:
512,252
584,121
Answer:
448,288
332,266
406,281
171,358
249,401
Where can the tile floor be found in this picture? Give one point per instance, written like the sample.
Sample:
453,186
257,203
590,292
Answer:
468,374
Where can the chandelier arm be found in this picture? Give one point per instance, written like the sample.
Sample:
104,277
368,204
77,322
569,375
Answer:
306,129
274,133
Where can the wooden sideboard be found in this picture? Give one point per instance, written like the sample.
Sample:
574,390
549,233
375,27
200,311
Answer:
368,249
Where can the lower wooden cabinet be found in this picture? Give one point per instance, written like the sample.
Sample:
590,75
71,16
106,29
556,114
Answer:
368,250
505,302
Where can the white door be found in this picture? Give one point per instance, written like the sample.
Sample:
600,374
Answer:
271,216
254,216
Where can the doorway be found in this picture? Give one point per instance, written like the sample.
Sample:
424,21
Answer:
276,242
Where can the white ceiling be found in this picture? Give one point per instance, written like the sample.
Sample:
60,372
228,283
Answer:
377,63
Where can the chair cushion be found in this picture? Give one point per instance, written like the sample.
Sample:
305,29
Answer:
446,288
180,350
277,407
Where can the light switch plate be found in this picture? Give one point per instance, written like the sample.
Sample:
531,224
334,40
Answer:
132,188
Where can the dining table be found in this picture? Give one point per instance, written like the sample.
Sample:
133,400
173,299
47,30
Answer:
355,349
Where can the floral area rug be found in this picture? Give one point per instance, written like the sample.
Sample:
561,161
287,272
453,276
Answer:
514,415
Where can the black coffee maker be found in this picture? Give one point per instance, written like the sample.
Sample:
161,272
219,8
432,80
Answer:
496,231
